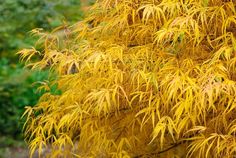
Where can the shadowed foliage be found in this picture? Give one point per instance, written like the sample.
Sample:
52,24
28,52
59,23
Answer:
150,78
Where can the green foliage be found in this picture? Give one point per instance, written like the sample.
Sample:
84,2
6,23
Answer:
21,16
18,17
16,91
150,78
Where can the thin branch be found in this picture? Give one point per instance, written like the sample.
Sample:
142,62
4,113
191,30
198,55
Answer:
167,149
159,152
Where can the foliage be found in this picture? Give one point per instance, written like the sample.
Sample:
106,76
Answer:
21,16
16,91
18,17
151,78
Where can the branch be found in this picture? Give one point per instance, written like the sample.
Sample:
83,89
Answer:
162,151
165,150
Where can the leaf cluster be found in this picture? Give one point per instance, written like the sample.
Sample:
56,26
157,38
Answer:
21,16
150,78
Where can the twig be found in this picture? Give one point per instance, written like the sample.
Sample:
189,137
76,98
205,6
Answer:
159,152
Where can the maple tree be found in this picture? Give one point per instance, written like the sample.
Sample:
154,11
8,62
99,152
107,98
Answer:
149,78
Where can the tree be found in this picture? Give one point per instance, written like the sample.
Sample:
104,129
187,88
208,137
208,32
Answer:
152,78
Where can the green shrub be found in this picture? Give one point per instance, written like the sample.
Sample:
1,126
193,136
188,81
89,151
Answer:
16,91
18,17
21,16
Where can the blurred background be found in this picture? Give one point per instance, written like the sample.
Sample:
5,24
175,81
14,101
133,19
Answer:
17,19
